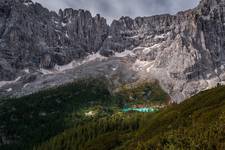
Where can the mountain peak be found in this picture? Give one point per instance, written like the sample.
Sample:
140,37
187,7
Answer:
185,52
212,2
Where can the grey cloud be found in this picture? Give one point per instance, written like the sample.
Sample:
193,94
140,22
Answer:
114,9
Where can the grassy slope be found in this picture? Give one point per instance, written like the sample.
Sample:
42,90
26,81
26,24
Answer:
198,123
145,92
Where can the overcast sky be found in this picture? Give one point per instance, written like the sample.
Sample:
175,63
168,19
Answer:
114,9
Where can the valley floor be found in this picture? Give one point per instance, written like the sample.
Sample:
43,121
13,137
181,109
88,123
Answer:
85,115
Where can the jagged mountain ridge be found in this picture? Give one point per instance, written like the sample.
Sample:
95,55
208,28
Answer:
34,37
185,52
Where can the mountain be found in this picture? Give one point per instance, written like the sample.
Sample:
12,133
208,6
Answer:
40,49
68,80
31,36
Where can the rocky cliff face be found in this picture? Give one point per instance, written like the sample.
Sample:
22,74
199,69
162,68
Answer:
31,36
185,52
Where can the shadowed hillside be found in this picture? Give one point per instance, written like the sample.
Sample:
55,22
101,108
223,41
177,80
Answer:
197,123
33,119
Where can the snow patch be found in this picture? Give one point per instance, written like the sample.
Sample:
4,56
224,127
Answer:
94,56
58,31
161,36
114,68
212,82
67,34
216,71
124,53
56,22
65,67
63,24
73,64
203,40
45,71
25,85
26,70
134,37
138,48
142,65
3,83
149,49
9,90
28,3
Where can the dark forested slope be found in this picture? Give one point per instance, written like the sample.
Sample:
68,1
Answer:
198,123
33,119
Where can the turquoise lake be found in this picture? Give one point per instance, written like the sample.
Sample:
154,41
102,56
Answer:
140,109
